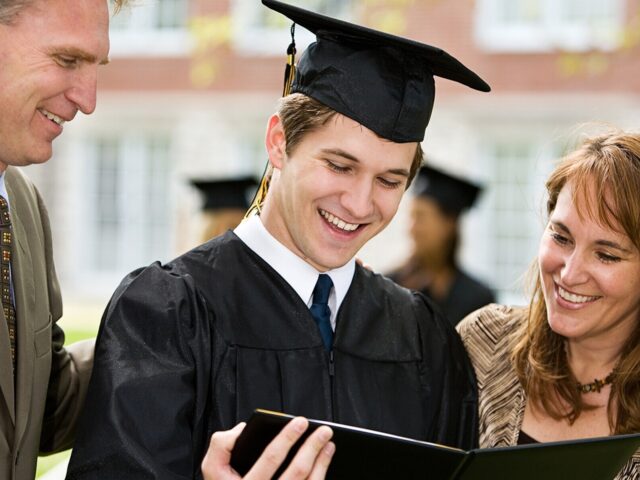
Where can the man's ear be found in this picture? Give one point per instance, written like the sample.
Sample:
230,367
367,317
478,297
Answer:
275,142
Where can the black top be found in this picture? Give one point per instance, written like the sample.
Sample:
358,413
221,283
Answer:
524,439
465,295
196,345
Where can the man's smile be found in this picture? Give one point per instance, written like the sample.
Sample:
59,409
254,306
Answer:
52,116
337,222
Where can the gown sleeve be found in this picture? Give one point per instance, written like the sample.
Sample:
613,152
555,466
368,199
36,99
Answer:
448,370
149,384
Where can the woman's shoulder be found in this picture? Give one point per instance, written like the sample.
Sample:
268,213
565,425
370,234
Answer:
493,317
631,469
491,329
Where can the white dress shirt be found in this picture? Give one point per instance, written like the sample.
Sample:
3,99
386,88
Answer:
3,190
299,274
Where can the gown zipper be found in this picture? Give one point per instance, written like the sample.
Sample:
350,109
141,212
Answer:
331,385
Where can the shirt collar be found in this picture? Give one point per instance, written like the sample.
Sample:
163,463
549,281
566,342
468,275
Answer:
3,187
299,274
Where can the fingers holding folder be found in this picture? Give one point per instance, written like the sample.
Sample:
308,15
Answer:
311,461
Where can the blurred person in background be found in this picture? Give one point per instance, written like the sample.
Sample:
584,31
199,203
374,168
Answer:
568,366
50,51
225,203
277,314
438,201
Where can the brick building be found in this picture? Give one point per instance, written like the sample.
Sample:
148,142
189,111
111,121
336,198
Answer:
192,82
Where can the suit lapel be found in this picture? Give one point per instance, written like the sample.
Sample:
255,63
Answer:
6,374
22,276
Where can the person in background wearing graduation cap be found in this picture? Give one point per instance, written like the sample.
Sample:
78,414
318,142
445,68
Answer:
277,314
438,201
225,203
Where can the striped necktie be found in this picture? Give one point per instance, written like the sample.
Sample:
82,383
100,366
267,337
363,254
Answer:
5,275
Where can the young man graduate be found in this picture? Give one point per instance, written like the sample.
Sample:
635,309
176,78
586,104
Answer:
277,314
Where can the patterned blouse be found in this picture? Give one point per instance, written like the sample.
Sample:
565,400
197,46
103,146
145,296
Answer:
489,337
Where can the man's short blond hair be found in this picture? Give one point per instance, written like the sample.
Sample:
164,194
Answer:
10,8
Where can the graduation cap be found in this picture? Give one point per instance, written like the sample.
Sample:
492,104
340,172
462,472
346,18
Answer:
382,81
225,193
453,194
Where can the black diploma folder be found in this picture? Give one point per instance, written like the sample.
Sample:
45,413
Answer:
372,455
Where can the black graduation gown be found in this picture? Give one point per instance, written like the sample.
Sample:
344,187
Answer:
466,294
194,346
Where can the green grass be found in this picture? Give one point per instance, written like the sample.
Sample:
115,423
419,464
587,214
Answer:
47,463
71,335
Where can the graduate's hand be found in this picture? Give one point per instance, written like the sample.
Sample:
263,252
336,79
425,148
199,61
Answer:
311,460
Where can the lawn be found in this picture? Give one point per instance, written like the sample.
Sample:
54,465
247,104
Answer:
47,463
79,323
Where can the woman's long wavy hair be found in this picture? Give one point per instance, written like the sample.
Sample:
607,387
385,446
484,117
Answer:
609,166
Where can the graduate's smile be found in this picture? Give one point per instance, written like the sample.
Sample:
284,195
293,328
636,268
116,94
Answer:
337,223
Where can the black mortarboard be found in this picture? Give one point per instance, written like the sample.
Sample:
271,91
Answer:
226,193
382,81
453,194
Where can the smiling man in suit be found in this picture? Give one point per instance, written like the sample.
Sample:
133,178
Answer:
50,51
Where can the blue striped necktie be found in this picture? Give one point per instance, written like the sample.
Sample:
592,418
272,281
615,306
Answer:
320,309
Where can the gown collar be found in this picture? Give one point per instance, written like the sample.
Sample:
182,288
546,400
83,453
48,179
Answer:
299,274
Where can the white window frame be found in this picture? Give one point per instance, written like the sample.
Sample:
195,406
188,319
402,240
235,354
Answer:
140,37
251,35
552,29
511,255
132,211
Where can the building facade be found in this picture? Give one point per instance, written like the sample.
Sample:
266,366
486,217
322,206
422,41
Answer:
192,82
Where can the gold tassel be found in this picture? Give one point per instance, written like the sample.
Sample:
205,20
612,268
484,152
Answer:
261,193
290,68
289,75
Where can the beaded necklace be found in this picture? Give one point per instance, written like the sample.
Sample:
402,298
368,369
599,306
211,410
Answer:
596,385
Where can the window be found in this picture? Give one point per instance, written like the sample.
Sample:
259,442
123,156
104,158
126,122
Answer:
127,218
259,30
546,25
151,28
514,210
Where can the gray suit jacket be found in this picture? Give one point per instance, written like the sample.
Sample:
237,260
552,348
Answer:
39,411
